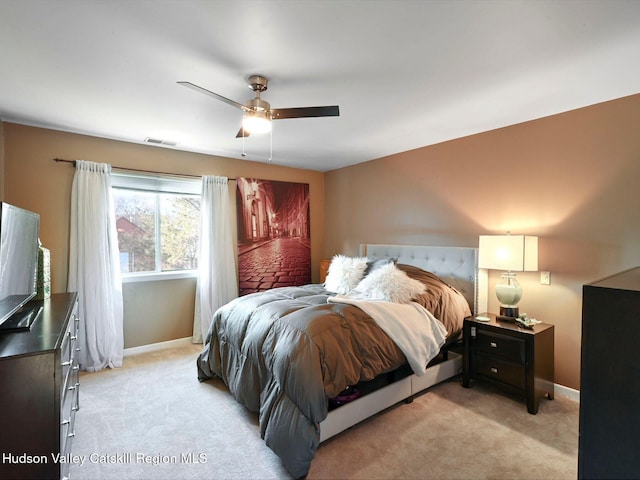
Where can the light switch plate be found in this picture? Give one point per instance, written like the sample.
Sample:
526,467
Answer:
545,278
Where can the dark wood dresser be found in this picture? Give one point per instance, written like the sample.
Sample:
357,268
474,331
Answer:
39,392
610,378
516,359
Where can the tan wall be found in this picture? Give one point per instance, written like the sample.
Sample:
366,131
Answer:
156,311
571,179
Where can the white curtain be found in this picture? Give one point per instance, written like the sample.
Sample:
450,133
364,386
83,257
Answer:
217,278
94,267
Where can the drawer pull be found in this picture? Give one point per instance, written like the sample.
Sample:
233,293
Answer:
72,387
66,364
494,370
74,337
76,367
76,408
71,435
494,345
65,422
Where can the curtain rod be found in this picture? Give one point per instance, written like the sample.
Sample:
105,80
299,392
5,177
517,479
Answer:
142,171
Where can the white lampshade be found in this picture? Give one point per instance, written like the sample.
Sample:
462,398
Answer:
513,253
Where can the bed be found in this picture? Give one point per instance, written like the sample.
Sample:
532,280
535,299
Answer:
289,353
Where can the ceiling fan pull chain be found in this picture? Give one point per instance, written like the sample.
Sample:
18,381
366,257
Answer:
243,154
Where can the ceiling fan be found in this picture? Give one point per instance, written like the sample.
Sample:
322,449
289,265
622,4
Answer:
258,113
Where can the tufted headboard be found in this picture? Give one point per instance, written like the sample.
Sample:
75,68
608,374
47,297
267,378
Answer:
458,266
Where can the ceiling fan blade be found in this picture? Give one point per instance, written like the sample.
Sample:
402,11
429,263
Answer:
242,133
305,112
214,95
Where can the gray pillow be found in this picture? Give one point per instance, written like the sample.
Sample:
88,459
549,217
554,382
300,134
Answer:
375,264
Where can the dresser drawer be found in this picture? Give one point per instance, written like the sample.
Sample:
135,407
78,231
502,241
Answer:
68,417
66,353
509,348
497,369
70,385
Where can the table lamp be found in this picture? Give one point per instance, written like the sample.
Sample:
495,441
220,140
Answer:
509,253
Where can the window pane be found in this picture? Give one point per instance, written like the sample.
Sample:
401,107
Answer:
157,231
136,225
179,226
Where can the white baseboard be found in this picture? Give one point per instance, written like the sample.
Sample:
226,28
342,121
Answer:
178,342
566,392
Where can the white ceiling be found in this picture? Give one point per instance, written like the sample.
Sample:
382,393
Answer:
405,73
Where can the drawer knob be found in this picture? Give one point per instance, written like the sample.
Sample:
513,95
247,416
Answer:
71,435
494,370
494,345
74,337
65,422
66,364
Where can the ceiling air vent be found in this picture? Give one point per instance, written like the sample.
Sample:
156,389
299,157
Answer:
157,141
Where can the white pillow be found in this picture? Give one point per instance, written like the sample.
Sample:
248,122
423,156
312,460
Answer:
344,273
390,284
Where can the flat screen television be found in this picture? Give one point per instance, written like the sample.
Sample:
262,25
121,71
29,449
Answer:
19,231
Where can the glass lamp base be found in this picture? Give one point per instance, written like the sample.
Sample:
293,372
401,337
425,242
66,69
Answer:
509,293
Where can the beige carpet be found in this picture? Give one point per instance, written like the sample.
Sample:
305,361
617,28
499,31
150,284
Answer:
152,419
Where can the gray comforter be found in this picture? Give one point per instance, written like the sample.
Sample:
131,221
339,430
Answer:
284,352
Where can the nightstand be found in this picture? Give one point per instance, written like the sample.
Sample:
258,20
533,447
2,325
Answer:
324,268
516,359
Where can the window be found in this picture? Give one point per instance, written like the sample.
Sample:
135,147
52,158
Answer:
158,224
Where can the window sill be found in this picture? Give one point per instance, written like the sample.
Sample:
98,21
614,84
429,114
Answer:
156,276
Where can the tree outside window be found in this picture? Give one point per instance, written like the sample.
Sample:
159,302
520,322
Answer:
157,231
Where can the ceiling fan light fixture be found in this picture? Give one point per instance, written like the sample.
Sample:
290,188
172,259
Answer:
258,113
257,122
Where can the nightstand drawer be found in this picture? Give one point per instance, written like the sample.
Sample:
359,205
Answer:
509,348
502,371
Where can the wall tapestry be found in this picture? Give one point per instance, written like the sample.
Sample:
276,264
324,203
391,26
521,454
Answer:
274,248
